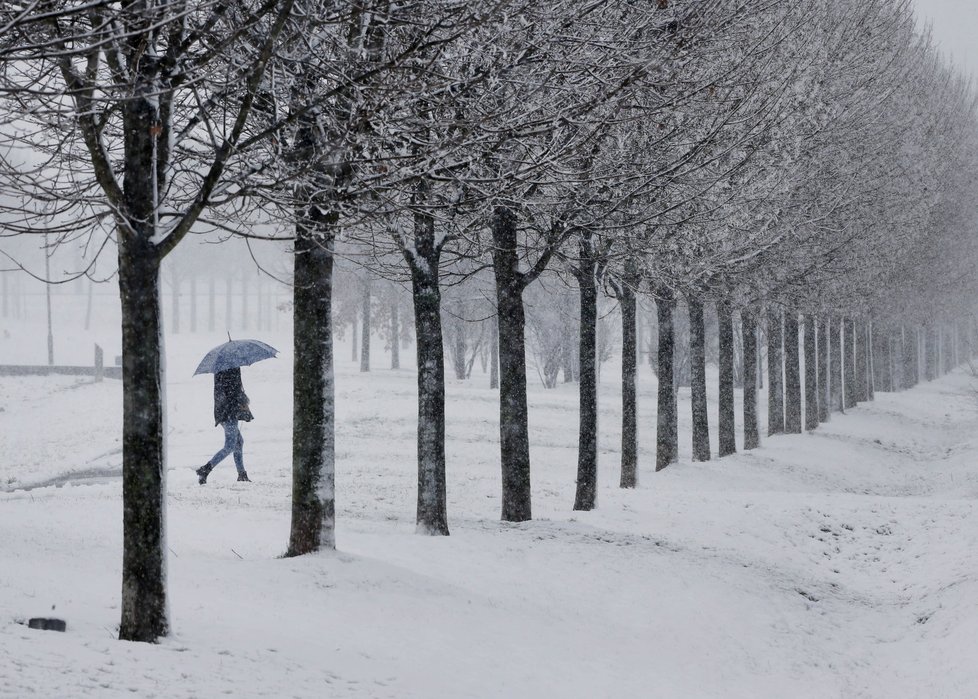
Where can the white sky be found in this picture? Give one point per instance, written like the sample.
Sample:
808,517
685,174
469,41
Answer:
955,29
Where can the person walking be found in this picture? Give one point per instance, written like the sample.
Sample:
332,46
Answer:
231,405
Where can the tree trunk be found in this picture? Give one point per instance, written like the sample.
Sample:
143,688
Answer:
748,322
313,409
811,374
792,375
836,366
848,363
862,361
494,355
775,381
629,398
365,333
868,357
355,334
587,450
144,601
144,605
514,439
395,337
726,429
697,374
432,514
667,427
824,392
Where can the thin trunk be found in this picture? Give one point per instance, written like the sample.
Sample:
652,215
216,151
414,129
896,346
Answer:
313,415
88,302
629,399
824,394
587,449
848,363
748,322
811,374
868,358
509,350
395,337
862,385
727,431
931,355
432,514
836,365
697,378
775,380
667,428
792,374
494,355
365,333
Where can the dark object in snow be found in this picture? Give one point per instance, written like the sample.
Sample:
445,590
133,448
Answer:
243,476
234,354
47,624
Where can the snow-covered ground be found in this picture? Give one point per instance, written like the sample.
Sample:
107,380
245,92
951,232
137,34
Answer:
842,563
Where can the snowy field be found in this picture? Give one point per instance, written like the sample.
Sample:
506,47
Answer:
842,563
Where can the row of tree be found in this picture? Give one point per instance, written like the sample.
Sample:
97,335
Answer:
803,159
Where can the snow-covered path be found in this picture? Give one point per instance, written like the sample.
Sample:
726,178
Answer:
835,564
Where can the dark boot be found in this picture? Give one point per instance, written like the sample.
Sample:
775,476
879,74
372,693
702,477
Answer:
243,476
203,472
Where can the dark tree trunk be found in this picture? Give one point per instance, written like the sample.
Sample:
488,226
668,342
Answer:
587,449
144,606
313,433
514,439
144,601
811,374
667,426
824,394
432,516
727,431
862,384
775,382
395,337
697,373
365,332
868,358
494,355
792,375
629,368
932,353
836,365
748,321
848,363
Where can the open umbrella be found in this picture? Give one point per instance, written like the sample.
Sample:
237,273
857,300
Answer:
234,353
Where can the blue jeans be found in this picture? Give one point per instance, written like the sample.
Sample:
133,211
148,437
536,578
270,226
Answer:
233,442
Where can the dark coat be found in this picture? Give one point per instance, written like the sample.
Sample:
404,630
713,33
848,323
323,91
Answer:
230,400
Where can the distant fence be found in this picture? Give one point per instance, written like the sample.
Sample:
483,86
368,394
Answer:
98,370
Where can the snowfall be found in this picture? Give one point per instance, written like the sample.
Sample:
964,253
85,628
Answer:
837,563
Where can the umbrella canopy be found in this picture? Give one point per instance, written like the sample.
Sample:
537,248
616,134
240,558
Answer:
234,353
